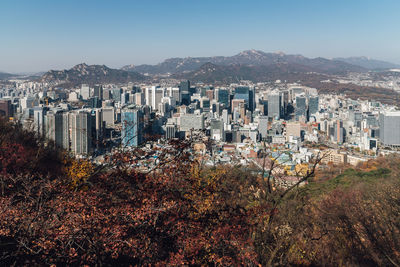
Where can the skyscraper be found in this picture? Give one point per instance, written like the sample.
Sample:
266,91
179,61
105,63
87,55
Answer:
98,91
6,108
170,130
85,92
132,126
263,126
66,126
153,96
301,107
191,121
389,128
223,97
184,86
338,132
116,94
54,127
38,120
274,105
247,95
217,130
81,132
185,93
313,105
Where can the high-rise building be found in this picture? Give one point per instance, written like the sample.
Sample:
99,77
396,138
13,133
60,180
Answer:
85,92
170,130
356,117
263,126
109,116
210,94
247,95
185,91
191,121
66,129
6,108
236,104
389,128
274,105
132,126
205,104
222,96
97,123
38,120
313,105
338,132
116,94
184,86
54,127
139,99
98,91
124,98
301,107
263,107
94,102
293,129
225,116
153,96
107,94
81,132
174,92
217,130
285,102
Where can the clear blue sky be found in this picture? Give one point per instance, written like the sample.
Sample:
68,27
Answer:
38,35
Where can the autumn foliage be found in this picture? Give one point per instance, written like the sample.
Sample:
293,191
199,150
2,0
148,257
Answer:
182,213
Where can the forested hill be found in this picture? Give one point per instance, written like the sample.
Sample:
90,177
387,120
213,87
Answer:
57,210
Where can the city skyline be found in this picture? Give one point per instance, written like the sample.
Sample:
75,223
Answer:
44,35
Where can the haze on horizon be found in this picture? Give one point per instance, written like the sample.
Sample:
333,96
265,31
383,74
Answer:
43,34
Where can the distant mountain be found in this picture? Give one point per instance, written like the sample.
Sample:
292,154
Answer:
4,75
249,57
90,74
210,73
368,63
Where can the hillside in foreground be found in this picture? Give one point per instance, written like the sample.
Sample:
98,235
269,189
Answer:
58,210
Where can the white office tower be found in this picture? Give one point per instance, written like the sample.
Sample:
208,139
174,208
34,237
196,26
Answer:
163,108
263,126
38,120
54,127
217,130
85,92
153,96
109,116
81,141
73,97
124,99
174,92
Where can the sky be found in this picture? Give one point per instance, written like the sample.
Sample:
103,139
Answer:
38,35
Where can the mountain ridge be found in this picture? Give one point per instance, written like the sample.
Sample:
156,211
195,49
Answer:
89,74
368,63
247,57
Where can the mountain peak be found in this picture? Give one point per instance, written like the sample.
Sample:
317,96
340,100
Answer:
251,52
280,53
